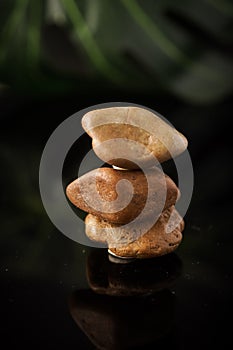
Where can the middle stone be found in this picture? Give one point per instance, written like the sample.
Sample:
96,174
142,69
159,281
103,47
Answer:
120,196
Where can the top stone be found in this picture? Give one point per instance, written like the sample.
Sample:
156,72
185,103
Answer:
132,137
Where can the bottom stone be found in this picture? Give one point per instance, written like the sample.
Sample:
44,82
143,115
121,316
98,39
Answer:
162,238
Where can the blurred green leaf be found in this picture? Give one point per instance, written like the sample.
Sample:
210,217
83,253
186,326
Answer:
184,47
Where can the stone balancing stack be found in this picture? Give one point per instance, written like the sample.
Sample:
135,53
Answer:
131,206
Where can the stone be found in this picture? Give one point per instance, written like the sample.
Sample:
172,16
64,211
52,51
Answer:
120,196
132,137
157,241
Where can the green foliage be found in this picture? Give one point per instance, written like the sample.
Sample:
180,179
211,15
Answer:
179,47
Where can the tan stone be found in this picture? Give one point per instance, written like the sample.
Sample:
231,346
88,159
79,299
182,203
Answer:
162,238
130,137
119,196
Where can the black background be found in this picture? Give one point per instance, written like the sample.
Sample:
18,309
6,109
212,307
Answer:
41,269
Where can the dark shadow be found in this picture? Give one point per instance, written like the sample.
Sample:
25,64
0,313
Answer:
130,305
127,277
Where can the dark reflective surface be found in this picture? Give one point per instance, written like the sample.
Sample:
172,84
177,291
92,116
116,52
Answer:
42,271
123,323
132,304
114,276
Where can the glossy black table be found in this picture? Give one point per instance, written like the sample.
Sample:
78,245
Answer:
55,292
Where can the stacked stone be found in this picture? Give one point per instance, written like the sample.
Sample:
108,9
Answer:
131,207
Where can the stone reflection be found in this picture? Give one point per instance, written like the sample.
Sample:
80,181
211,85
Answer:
130,302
